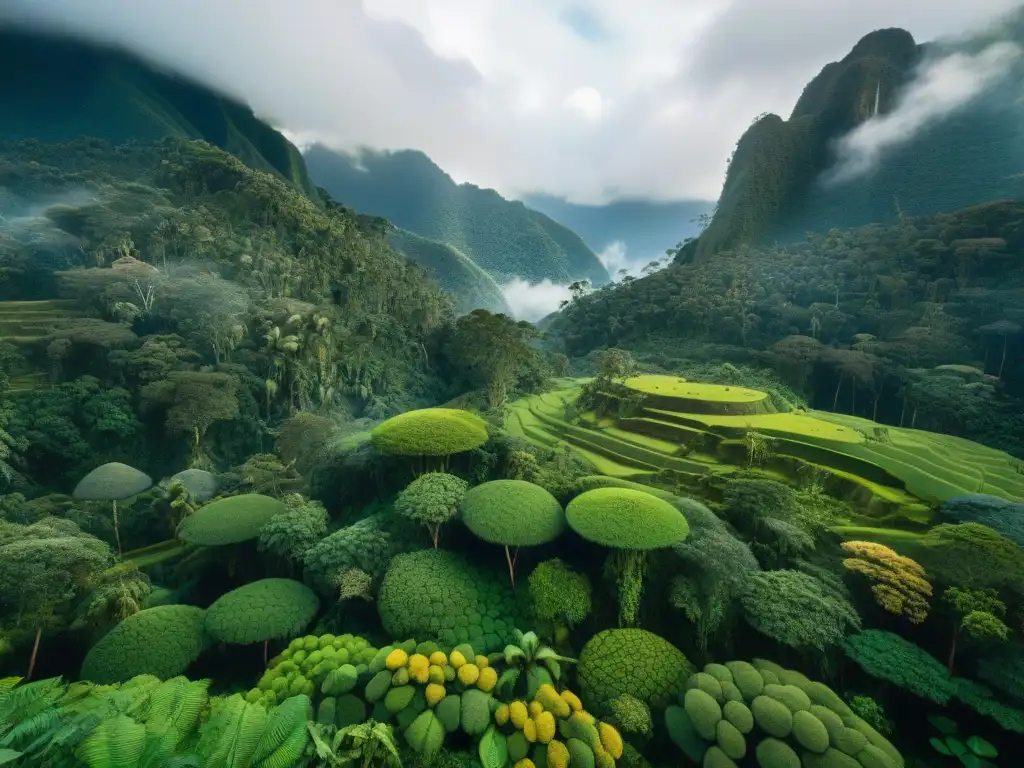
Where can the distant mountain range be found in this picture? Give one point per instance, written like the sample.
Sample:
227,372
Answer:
58,88
774,190
503,237
646,228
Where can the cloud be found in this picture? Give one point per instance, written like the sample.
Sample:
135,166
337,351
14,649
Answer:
663,88
534,301
941,87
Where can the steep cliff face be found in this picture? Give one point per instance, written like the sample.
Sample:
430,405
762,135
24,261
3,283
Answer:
57,88
774,187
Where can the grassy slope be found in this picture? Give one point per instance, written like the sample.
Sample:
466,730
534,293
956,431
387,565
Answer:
471,287
504,237
912,466
65,89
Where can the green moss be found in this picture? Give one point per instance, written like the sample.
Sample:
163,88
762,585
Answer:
269,609
746,678
430,432
161,641
710,685
633,661
229,520
626,519
831,758
810,732
683,734
349,710
738,713
676,387
730,740
790,695
475,711
716,757
513,513
434,593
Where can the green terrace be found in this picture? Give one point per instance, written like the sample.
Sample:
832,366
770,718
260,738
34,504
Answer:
891,475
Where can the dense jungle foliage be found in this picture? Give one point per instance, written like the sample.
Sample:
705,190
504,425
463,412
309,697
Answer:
505,238
915,324
268,500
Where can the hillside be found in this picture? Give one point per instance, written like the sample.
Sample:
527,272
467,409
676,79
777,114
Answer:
774,186
504,237
917,323
66,88
646,228
470,287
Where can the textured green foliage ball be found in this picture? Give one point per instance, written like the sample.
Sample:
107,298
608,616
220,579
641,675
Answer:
430,432
229,520
366,545
269,609
633,661
772,716
809,731
425,735
560,593
432,498
112,482
200,484
437,594
704,712
161,641
739,714
623,518
513,513
730,740
772,753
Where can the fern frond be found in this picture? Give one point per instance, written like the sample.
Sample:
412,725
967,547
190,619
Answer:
116,743
31,728
229,737
177,703
285,737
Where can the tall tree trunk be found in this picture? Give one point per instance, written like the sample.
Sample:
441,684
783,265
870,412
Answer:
913,419
265,653
874,412
984,365
952,651
512,566
35,653
835,400
1003,361
117,532
903,410
853,396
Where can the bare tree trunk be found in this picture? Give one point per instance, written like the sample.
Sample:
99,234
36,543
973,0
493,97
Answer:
117,532
874,412
1003,361
512,566
903,410
35,653
835,400
265,653
913,419
853,396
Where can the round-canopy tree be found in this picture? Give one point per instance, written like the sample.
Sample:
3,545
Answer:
631,522
161,641
229,520
432,500
269,609
112,482
512,513
200,484
430,433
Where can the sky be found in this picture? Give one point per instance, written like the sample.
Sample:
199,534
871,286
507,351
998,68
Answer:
588,99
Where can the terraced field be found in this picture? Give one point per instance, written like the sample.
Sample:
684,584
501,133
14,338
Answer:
27,324
890,473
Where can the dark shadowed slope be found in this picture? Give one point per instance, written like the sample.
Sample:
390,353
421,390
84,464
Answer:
57,88
504,237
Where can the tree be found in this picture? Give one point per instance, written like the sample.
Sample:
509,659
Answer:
194,401
1003,328
615,364
291,532
560,596
43,568
972,555
112,482
491,347
10,446
797,610
898,583
979,614
432,500
112,596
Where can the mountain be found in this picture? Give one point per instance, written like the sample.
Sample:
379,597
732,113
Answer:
775,189
646,228
504,237
469,285
59,88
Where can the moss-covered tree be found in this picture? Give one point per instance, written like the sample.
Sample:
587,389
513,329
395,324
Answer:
432,500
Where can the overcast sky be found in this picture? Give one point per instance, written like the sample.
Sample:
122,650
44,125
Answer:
592,99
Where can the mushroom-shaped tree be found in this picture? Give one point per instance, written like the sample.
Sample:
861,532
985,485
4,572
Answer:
200,484
631,522
161,641
112,482
269,609
430,434
229,520
512,513
432,499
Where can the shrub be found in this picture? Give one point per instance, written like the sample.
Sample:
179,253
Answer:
784,720
634,661
559,593
161,641
624,518
269,609
112,482
430,432
437,594
229,520
200,484
512,513
432,500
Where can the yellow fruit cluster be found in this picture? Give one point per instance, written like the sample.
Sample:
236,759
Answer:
551,714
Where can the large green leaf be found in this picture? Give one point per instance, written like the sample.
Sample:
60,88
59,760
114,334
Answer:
8,755
285,737
943,725
981,748
939,745
493,749
115,743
